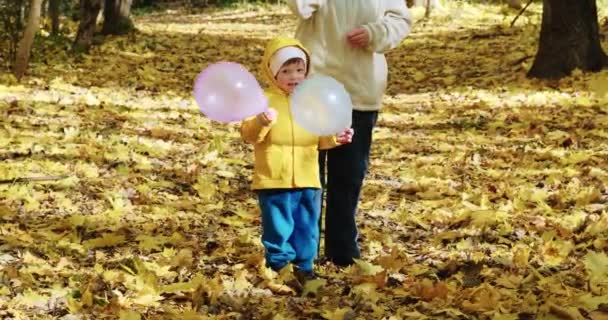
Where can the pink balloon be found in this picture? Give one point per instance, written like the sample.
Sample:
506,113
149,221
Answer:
227,92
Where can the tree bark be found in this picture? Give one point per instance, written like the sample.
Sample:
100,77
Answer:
116,17
89,10
54,14
569,39
25,45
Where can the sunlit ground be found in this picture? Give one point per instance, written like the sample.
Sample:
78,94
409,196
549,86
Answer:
486,195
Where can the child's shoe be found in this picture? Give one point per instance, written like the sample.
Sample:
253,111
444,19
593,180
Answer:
304,276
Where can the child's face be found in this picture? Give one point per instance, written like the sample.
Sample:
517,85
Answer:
289,76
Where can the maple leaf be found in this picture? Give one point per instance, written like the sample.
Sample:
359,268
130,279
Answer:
313,286
483,298
367,268
106,240
184,286
555,251
596,264
427,290
32,299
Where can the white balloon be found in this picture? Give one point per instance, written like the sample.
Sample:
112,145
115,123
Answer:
321,105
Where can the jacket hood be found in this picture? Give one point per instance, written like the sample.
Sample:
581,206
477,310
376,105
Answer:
273,46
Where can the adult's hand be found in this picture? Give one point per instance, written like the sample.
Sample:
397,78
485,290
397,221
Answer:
358,37
345,136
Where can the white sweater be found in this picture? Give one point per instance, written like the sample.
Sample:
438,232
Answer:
323,27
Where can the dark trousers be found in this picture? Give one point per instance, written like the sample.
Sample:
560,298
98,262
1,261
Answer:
346,167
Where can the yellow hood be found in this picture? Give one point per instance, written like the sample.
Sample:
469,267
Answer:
273,46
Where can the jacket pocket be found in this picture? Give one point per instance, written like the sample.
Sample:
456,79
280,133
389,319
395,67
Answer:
307,165
269,162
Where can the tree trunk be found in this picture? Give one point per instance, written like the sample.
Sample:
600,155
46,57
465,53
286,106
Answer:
116,17
54,14
89,10
25,45
569,39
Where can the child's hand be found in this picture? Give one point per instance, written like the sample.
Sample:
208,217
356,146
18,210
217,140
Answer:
268,117
358,37
345,136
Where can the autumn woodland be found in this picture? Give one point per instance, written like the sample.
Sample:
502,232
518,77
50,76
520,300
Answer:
486,197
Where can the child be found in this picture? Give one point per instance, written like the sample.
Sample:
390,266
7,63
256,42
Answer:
286,170
348,39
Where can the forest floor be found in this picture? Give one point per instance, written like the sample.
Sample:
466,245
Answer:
486,198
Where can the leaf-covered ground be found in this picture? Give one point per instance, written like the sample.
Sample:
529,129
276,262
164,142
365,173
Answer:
487,195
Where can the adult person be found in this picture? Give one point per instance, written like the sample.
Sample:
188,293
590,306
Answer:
347,40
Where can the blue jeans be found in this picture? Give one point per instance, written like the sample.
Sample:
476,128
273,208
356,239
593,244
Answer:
346,168
290,226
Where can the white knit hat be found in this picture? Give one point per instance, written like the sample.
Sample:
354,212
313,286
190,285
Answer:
283,55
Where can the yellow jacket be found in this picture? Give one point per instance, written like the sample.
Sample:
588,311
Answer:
286,156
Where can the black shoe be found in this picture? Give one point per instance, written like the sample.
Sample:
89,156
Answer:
342,262
304,276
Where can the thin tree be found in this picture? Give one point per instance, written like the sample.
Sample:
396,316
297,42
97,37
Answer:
116,18
54,14
24,47
89,11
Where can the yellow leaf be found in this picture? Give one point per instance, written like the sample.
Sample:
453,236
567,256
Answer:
590,302
205,187
225,174
313,286
338,314
148,299
487,218
188,315
129,315
599,85
419,76
107,240
73,304
484,298
596,264
555,251
521,255
242,284
8,78
7,213
4,291
367,268
183,259
367,291
32,299
184,286
87,298
588,195
449,80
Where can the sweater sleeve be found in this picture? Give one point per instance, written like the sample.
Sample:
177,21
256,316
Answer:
252,130
394,26
328,142
304,9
